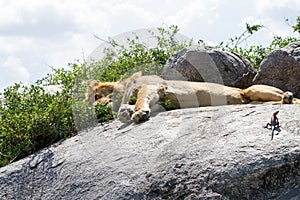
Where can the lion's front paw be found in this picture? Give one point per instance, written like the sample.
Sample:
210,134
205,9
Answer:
125,113
140,115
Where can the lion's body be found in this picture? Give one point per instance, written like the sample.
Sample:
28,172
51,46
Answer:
151,91
184,94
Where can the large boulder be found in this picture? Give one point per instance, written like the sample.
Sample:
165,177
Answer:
208,64
201,153
281,68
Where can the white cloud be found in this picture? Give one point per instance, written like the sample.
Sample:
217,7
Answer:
50,18
125,16
15,44
8,14
49,32
250,20
274,12
269,5
78,46
12,70
195,10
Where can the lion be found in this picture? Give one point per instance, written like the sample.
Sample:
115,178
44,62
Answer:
151,92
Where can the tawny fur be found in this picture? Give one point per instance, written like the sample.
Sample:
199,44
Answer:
150,91
263,93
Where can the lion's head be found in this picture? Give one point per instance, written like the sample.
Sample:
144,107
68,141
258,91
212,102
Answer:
99,92
107,92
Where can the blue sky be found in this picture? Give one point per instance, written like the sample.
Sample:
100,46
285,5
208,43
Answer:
36,34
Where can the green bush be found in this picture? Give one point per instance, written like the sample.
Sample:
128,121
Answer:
104,113
255,54
31,119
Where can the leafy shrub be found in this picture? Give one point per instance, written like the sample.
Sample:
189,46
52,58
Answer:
104,113
255,54
31,119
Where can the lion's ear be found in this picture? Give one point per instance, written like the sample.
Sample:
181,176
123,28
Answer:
94,84
91,91
136,75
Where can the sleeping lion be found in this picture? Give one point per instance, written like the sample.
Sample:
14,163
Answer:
147,94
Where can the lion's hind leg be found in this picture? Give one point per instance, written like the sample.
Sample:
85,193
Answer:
263,93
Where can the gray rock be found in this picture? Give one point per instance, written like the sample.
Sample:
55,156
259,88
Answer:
281,68
201,153
208,64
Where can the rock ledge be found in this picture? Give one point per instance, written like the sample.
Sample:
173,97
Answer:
201,153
